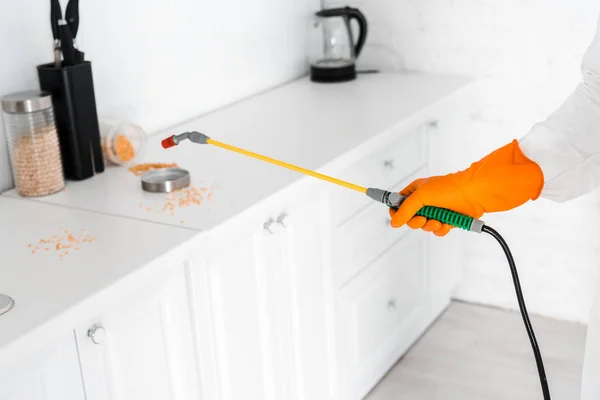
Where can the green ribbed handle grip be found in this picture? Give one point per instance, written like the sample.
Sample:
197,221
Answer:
446,217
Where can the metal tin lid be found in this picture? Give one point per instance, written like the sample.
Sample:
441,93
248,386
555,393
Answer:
6,303
26,102
165,180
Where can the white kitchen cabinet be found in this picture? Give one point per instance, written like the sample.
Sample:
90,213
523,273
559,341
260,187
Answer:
385,294
309,296
230,303
143,347
50,374
382,312
268,335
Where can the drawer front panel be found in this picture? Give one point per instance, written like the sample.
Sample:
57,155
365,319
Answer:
364,236
381,169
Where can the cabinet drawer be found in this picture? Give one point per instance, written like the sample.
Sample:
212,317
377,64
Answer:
377,308
364,236
382,168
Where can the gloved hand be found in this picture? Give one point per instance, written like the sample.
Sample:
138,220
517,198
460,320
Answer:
502,180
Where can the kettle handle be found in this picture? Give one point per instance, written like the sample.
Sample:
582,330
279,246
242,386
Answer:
354,13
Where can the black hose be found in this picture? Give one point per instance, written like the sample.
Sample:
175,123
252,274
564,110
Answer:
528,327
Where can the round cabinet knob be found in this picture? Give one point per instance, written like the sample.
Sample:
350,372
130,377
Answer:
283,219
267,225
434,123
389,164
392,304
97,334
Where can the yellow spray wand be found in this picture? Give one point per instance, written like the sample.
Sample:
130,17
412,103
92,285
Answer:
391,199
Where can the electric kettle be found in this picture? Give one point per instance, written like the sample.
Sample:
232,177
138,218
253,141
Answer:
333,52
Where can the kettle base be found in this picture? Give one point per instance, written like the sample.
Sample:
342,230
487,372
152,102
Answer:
329,75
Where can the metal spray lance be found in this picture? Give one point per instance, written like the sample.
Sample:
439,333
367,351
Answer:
391,199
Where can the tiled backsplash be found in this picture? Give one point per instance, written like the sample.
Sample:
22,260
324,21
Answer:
527,54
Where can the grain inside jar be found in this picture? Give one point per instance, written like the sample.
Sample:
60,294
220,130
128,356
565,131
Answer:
33,144
123,143
37,164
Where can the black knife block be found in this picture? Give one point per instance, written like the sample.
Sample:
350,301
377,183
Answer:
72,90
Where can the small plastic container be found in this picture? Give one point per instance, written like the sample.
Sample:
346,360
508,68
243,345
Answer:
123,143
33,143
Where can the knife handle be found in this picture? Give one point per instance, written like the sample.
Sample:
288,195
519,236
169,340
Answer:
55,16
72,16
66,43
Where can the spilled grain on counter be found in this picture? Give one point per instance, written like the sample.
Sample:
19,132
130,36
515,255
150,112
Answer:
141,169
190,196
62,242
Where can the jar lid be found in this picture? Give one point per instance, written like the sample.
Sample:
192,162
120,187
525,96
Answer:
26,102
165,180
6,303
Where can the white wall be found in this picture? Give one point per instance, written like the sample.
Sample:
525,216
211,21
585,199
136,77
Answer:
160,62
527,54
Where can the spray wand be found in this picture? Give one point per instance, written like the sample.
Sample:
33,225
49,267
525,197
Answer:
391,199
395,200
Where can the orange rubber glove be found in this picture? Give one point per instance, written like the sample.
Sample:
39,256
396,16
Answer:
502,180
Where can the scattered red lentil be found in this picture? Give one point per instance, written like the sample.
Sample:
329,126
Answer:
186,197
141,169
63,242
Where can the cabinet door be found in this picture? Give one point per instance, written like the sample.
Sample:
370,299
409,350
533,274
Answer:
143,348
232,302
261,307
51,374
307,294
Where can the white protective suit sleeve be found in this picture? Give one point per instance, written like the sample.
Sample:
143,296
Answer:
567,144
567,148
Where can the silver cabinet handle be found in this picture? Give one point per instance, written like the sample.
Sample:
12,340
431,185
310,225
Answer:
389,164
388,221
267,225
97,334
282,219
433,124
392,304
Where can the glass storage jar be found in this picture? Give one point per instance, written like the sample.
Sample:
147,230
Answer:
123,143
33,143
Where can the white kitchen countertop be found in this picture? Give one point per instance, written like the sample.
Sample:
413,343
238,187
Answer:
52,292
316,126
